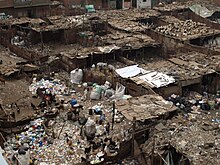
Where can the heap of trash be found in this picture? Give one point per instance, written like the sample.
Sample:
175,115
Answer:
54,86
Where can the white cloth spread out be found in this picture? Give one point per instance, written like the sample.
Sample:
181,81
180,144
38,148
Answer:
157,79
129,71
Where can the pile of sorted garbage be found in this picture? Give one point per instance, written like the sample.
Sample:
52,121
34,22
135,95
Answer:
54,86
66,141
83,131
184,28
195,102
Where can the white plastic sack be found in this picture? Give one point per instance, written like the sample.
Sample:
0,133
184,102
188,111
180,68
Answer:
24,159
94,95
90,128
107,84
119,92
76,76
101,64
96,92
109,93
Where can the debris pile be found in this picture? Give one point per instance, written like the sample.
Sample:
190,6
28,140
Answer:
145,107
196,137
87,132
170,7
54,86
126,20
184,29
193,134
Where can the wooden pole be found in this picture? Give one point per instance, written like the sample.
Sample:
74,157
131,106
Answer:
42,43
113,114
152,154
61,131
133,134
9,117
162,158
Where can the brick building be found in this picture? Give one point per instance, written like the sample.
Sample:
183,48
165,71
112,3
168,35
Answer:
26,8
99,4
6,3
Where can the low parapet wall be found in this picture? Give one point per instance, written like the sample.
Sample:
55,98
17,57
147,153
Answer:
29,55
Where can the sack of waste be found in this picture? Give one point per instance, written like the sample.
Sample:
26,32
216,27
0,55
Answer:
90,128
76,76
96,92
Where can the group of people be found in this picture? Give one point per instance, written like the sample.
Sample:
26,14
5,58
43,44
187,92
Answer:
95,128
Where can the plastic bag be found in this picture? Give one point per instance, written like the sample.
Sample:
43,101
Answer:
109,93
119,92
96,92
90,128
76,76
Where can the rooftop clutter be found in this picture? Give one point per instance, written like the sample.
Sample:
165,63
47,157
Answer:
79,122
184,29
194,133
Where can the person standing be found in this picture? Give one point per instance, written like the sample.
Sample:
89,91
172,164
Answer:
73,101
85,94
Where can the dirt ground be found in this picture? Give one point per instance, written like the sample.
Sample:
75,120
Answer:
15,91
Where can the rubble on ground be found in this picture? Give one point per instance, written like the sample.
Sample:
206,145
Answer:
194,133
184,29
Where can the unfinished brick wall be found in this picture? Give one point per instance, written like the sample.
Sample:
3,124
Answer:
5,40
67,11
6,3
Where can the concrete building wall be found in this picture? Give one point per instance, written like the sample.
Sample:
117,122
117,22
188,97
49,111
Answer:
68,3
143,4
112,4
33,12
97,3
127,4
30,3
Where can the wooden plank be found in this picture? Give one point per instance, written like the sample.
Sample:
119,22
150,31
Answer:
178,61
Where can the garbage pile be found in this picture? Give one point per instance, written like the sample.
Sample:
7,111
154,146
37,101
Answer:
69,142
184,29
17,41
54,86
196,102
193,134
196,137
85,131
22,145
105,91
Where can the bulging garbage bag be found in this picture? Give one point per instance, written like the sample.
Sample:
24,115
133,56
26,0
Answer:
96,92
76,76
119,92
90,128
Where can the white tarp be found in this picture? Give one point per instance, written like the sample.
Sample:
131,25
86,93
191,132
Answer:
157,79
2,159
129,71
201,10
